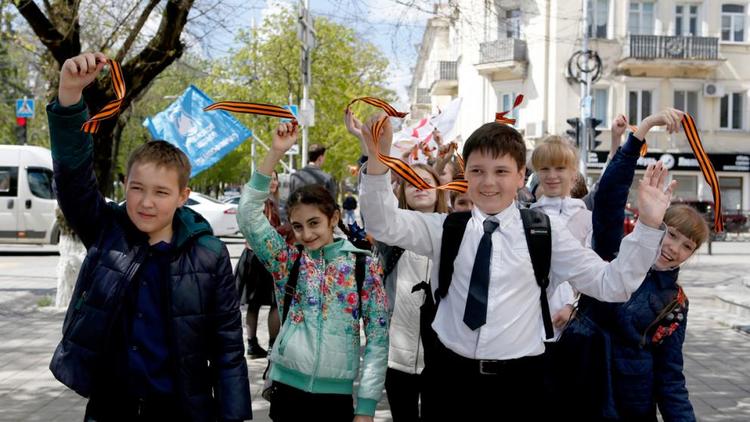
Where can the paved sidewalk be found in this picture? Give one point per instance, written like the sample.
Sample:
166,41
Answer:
717,357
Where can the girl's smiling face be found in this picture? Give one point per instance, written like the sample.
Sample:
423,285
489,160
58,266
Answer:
311,226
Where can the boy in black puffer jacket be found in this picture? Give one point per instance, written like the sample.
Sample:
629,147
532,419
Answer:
153,331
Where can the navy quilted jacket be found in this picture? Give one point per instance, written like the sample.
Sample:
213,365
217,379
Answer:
204,323
633,350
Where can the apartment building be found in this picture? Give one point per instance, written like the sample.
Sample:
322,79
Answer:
688,54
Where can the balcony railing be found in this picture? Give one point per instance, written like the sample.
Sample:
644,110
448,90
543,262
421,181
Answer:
509,49
674,47
446,71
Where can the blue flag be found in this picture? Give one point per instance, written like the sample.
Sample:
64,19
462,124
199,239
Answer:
205,137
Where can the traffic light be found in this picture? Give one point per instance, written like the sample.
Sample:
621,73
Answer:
575,131
21,130
593,132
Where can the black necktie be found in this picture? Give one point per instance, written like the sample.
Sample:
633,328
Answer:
475,314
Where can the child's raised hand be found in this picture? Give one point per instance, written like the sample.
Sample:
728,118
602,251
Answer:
284,137
653,197
619,125
353,125
669,117
76,74
437,136
384,142
386,135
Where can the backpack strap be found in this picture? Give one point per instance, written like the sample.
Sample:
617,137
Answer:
291,284
536,226
390,255
454,227
359,276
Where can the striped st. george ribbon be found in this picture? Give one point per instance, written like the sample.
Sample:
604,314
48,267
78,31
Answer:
253,108
400,167
688,123
112,108
707,168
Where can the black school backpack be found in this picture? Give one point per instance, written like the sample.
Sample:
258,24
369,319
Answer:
539,240
291,284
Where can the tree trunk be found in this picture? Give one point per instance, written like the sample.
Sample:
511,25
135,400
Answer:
61,35
72,254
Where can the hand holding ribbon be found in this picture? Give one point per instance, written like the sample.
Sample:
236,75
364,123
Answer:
378,136
672,119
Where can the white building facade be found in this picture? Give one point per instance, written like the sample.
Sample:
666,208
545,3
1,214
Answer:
688,54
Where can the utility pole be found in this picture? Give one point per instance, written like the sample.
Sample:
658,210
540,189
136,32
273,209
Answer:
306,35
585,91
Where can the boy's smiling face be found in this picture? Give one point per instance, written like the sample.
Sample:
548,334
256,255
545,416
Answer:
153,194
493,181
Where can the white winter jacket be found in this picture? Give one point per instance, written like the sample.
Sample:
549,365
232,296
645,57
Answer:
405,352
578,219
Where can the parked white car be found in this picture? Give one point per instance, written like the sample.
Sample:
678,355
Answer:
234,200
27,202
222,217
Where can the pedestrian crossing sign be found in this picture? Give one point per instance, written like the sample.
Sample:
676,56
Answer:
25,107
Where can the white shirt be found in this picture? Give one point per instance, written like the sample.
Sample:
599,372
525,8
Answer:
514,325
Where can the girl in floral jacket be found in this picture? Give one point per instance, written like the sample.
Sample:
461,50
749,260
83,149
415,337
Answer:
316,357
627,357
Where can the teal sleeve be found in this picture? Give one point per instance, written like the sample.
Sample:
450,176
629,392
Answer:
269,246
70,146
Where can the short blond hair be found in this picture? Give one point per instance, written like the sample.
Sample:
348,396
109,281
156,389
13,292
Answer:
688,221
554,151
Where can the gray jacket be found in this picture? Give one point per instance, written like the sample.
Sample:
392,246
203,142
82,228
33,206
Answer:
310,175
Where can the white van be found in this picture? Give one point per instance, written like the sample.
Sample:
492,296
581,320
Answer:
27,201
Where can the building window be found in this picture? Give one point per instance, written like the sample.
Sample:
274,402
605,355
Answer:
641,18
733,22
730,115
687,187
599,12
687,101
40,182
513,23
600,107
8,181
731,193
506,102
686,20
639,105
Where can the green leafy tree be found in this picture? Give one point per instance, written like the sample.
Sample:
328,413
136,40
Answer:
266,68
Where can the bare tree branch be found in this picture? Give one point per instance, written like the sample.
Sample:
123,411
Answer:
137,29
60,46
117,27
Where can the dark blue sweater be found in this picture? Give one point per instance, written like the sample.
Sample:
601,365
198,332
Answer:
147,350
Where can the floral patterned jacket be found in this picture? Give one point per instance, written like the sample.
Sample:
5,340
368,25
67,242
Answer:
318,348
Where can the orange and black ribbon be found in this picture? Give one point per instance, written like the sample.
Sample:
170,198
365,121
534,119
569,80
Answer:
688,123
501,116
253,108
112,109
400,167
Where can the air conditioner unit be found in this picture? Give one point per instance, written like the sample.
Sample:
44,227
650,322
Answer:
535,129
712,89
